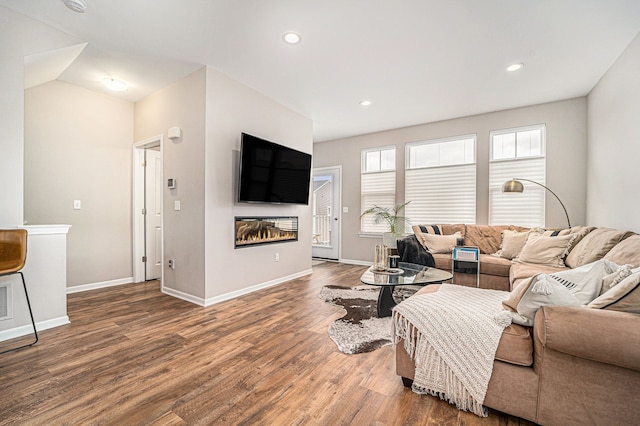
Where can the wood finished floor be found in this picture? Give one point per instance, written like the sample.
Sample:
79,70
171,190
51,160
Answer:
134,356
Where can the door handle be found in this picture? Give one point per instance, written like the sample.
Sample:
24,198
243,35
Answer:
335,218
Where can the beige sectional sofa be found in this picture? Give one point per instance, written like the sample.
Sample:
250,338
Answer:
576,365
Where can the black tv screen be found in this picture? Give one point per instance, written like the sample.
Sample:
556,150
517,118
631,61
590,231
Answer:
272,173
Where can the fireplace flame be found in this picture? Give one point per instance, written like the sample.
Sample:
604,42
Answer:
261,231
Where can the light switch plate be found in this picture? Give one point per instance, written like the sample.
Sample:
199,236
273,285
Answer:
77,204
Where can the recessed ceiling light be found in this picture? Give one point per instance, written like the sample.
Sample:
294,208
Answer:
291,38
515,67
115,85
365,102
76,5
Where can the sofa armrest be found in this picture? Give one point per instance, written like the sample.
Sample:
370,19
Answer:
599,335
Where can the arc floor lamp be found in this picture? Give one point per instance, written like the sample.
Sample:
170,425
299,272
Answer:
515,185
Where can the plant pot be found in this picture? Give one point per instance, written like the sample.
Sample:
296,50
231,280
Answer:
390,239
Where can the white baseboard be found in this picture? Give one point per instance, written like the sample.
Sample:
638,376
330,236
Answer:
232,295
103,284
356,262
28,329
184,296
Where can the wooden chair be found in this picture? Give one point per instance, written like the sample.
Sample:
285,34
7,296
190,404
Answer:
13,256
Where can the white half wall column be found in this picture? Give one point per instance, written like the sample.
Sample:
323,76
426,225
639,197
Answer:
46,276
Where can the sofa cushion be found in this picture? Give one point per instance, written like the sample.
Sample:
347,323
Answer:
545,250
443,261
486,238
595,245
626,252
492,265
448,229
516,346
489,265
523,271
516,342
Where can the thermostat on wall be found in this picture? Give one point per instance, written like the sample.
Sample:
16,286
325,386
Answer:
171,183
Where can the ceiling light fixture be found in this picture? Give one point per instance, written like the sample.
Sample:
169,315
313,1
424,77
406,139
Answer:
76,5
291,38
365,102
515,67
115,85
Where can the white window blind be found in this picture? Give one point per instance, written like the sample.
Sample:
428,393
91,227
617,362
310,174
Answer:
440,181
377,185
377,189
517,153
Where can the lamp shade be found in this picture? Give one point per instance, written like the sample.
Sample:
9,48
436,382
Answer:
513,185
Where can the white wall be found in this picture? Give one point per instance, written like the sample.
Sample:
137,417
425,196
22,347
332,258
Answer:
12,53
78,147
213,110
181,104
233,108
614,144
566,162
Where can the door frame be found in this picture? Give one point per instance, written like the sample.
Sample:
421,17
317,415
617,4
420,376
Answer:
338,168
138,204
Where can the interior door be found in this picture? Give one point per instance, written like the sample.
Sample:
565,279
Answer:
153,213
326,202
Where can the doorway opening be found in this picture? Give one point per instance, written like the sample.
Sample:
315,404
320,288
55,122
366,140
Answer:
148,241
327,208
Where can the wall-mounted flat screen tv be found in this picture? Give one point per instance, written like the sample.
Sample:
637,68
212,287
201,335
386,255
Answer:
272,173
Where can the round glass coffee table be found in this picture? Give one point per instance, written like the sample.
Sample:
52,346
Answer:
406,274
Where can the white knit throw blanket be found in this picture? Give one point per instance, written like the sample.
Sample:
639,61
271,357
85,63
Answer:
452,337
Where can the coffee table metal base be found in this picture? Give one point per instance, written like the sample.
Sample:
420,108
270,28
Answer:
385,301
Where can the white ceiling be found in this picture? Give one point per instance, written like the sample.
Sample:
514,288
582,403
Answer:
418,61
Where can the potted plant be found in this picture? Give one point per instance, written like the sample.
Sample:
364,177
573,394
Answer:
391,216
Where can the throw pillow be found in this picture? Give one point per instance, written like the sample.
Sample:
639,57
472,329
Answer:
532,294
595,245
578,231
585,282
615,276
440,243
624,297
512,244
420,230
545,250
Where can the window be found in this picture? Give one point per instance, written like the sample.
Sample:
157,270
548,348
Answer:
517,153
377,185
440,180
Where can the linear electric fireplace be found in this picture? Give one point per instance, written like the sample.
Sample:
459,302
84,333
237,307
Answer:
256,230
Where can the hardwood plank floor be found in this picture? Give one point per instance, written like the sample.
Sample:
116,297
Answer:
134,356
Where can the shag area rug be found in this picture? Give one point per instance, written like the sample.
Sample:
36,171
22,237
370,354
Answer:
360,330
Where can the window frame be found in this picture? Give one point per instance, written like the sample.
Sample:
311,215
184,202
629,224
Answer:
363,171
543,156
473,164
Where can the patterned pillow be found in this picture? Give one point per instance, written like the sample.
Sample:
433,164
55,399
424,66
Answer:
532,294
420,230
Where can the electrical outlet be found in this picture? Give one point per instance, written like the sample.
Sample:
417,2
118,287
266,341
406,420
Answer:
172,264
176,205
277,257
